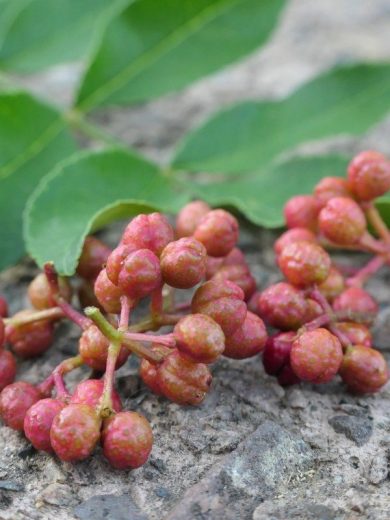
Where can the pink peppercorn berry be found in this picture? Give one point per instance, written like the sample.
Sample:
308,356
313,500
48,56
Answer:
302,212
15,400
152,232
183,263
218,232
90,392
342,221
38,421
189,217
304,264
248,340
7,368
364,370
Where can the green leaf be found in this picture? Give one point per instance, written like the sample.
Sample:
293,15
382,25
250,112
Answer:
250,135
85,193
261,197
41,33
383,204
32,140
157,46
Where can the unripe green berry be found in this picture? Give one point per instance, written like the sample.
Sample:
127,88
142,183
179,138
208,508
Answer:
183,263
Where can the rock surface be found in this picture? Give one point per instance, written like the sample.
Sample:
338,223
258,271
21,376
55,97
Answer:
253,449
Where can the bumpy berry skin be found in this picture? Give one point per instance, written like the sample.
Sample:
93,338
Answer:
107,293
364,370
333,285
276,358
277,352
183,381
3,307
357,300
90,391
32,339
127,440
189,217
93,348
282,306
304,264
316,356
223,302
302,211
369,175
116,260
357,333
314,310
290,236
235,257
148,371
151,232
140,274
75,432
15,400
38,421
200,338
7,368
248,340
238,274
92,259
342,221
40,295
218,232
183,263
330,187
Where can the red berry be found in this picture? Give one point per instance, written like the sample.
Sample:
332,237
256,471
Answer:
107,293
316,356
2,332
140,274
276,353
87,296
93,348
357,333
355,300
90,391
3,307
38,421
235,257
200,338
238,274
31,339
342,221
304,264
75,432
223,302
15,400
333,285
364,370
218,232
7,368
330,187
302,212
151,232
369,175
183,263
127,440
148,371
92,259
248,340
40,294
183,381
296,234
314,310
287,376
189,217
282,306
116,260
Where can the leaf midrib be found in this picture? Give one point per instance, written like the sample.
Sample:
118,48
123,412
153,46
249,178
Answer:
173,40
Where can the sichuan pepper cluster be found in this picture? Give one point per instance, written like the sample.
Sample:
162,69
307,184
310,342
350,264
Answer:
319,315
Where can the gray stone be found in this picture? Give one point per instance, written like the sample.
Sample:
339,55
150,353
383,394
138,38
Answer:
10,485
379,468
254,471
358,429
108,507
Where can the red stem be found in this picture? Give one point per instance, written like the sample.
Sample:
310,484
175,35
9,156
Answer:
365,272
166,340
